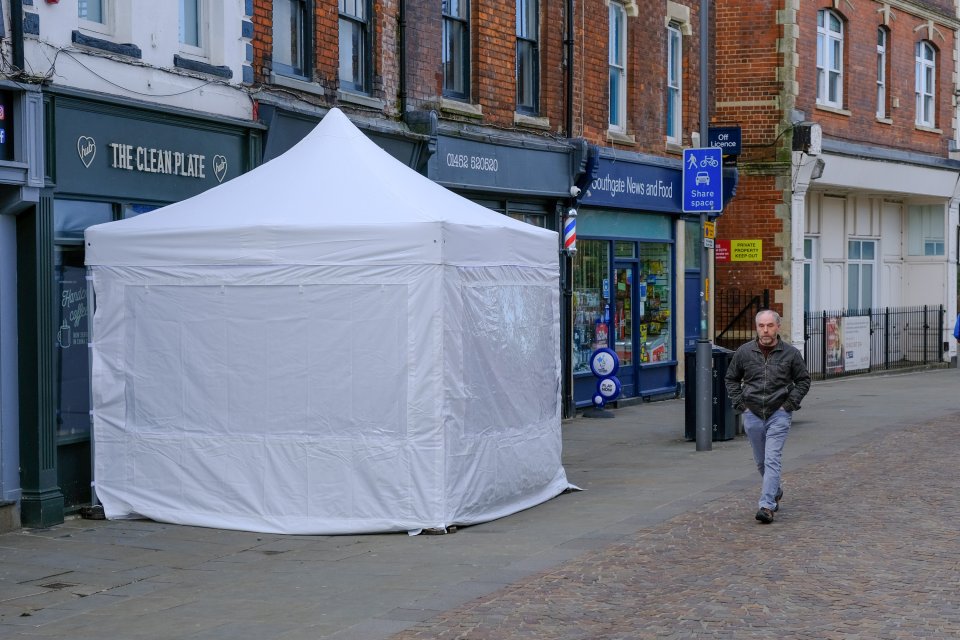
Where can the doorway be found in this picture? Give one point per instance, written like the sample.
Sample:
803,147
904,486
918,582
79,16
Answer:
623,321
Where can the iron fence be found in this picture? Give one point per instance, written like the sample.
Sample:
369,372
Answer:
853,341
735,311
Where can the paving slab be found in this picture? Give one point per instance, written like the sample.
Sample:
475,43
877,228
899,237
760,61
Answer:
660,542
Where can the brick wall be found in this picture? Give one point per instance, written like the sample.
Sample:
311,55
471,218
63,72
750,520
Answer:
766,66
262,39
493,54
423,41
494,60
646,78
749,89
860,69
755,90
753,215
386,75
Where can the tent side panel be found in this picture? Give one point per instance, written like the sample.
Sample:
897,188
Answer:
292,401
502,419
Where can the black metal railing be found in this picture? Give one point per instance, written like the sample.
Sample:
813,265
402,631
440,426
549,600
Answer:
734,315
853,341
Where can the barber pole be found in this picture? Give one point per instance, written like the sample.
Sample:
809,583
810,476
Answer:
570,232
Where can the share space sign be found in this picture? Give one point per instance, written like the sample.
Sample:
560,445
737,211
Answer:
702,180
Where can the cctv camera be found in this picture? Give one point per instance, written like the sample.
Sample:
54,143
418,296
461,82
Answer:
574,191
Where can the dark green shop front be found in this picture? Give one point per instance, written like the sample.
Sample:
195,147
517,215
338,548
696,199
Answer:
106,161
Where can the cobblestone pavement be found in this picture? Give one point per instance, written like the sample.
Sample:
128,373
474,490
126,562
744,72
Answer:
866,545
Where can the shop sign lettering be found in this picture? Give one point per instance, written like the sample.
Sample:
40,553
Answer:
628,185
633,185
73,314
128,157
738,250
149,160
472,163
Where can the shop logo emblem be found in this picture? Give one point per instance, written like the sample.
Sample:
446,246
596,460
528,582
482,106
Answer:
219,167
87,149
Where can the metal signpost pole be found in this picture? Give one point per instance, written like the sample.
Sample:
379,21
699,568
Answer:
704,355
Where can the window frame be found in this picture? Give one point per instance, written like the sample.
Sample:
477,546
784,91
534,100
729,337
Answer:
811,258
104,26
201,47
528,56
454,68
362,81
674,112
925,84
857,264
883,69
617,68
926,226
305,70
830,58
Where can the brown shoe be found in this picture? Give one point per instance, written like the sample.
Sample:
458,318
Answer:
765,515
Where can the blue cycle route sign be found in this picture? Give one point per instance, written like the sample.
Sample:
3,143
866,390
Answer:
703,180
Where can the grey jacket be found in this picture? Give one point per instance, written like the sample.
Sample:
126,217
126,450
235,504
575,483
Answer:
763,385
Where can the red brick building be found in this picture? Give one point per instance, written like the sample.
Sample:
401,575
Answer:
532,108
847,182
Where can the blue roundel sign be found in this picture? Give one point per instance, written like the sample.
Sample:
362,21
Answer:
604,363
608,388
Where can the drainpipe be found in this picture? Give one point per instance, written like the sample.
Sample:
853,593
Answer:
402,56
568,44
568,404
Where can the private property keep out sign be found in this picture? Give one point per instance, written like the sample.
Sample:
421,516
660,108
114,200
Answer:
738,250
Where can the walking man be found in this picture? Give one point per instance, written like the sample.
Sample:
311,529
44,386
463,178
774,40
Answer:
766,380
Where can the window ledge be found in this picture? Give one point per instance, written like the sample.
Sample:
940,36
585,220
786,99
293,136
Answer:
296,83
202,67
923,127
836,110
361,99
462,108
885,120
129,50
621,137
525,120
673,147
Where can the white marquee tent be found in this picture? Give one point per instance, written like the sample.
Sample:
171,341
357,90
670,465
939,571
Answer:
330,343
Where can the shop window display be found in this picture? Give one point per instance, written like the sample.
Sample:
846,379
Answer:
73,408
591,295
70,218
654,302
623,315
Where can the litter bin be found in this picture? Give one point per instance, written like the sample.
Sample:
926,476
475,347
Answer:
724,425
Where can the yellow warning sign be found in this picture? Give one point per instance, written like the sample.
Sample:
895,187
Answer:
709,230
746,250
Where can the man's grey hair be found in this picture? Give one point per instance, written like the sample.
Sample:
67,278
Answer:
776,316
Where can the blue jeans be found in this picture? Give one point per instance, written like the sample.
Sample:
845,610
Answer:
767,438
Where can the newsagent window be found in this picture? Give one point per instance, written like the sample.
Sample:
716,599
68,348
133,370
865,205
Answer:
655,302
591,296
